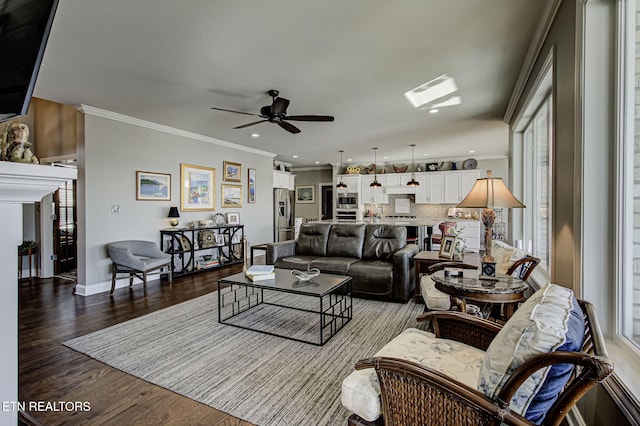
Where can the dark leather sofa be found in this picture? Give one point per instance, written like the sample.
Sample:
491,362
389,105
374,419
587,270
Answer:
377,257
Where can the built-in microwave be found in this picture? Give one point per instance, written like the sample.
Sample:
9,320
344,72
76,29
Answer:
347,200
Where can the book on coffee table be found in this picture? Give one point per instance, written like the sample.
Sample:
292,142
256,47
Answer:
262,277
259,270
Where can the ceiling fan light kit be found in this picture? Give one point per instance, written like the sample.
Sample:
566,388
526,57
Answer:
277,113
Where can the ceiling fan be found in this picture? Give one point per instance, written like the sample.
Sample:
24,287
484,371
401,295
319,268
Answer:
277,113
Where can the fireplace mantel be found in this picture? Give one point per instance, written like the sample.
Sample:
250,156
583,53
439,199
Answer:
28,183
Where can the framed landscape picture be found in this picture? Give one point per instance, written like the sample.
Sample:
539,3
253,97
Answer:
232,171
231,196
151,186
197,189
251,186
305,194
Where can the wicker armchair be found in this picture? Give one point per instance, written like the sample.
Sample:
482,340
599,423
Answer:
416,395
524,267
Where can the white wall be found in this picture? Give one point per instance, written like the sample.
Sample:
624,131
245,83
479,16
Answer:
10,239
113,151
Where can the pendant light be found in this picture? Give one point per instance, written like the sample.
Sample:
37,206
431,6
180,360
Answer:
341,184
375,183
413,181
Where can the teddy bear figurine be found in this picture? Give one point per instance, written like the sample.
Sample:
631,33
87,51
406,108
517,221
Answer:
15,145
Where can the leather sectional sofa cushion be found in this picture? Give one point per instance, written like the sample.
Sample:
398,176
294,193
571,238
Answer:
375,256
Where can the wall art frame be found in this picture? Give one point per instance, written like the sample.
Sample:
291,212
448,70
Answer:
197,188
251,186
153,186
305,194
231,195
232,171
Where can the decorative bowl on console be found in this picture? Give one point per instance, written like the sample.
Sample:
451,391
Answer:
400,168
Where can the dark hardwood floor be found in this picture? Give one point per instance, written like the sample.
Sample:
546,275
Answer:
50,314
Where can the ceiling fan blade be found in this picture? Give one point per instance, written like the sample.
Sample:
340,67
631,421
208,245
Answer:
237,112
250,124
279,106
288,127
309,118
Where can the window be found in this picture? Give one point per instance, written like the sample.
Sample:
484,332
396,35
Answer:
532,155
537,183
628,314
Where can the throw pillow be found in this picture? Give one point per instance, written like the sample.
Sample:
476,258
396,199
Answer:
501,253
550,320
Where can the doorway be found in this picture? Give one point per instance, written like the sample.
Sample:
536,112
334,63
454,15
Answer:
326,201
64,229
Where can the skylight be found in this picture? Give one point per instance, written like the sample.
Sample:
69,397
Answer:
435,93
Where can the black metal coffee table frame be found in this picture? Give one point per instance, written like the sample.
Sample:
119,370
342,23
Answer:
237,294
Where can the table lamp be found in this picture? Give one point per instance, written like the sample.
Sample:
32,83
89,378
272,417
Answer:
488,193
174,215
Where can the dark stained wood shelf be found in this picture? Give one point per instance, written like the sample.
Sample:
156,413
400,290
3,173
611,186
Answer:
50,314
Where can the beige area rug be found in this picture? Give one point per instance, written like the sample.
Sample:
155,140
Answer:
263,379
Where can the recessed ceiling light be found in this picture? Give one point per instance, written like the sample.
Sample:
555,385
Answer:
433,111
349,159
471,151
295,156
255,135
386,156
317,162
426,155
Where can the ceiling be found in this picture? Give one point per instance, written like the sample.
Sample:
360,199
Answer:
169,62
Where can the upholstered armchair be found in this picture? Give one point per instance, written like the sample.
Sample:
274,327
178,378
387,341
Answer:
531,370
137,258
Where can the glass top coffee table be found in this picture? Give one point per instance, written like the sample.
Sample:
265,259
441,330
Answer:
306,311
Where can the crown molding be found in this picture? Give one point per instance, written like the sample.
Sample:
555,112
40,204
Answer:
532,56
86,109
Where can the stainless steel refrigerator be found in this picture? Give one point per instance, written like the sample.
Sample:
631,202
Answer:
283,214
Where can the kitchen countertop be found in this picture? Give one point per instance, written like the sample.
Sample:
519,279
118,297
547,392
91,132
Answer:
418,221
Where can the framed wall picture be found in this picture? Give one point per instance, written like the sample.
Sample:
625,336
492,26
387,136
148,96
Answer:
219,239
232,172
231,196
305,194
151,186
447,247
197,189
251,186
233,218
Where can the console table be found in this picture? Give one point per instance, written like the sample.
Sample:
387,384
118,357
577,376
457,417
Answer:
199,249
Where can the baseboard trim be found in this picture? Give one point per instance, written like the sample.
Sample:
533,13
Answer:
623,398
105,286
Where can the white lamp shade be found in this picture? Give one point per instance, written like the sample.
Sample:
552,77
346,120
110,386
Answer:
490,192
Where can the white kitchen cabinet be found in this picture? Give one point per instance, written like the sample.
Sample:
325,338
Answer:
352,182
470,232
458,184
431,189
370,195
284,180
